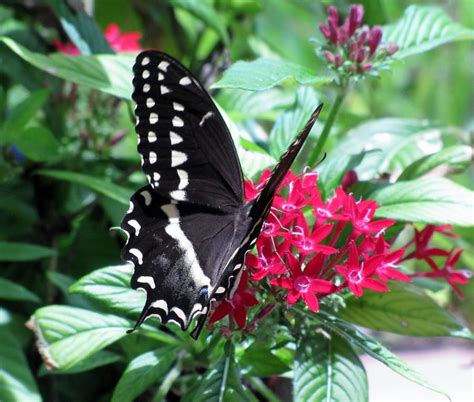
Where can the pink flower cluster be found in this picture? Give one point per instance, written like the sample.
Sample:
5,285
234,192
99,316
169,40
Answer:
118,41
351,47
310,248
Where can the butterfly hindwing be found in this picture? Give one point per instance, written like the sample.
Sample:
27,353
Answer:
179,253
186,149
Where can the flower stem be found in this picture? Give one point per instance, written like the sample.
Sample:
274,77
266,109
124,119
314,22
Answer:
316,154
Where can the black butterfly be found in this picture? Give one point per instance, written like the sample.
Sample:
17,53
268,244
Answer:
189,228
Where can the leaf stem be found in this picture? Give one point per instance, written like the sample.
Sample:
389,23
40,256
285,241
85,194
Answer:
169,380
262,388
316,154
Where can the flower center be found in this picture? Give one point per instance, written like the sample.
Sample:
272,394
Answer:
268,227
301,283
306,244
355,276
323,212
288,207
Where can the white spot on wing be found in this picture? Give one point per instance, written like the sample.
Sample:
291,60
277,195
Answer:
145,74
151,136
177,122
163,66
147,196
178,107
137,253
178,158
134,223
174,230
161,77
130,207
164,90
146,87
145,61
220,290
147,279
205,117
152,157
185,81
175,138
161,304
153,118
179,313
150,103
183,179
178,195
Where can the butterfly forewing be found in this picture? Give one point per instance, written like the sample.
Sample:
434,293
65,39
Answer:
186,149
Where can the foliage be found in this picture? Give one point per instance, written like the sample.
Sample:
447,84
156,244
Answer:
398,156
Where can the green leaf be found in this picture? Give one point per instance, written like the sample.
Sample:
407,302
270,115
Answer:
107,73
259,361
426,200
22,115
111,286
422,28
12,251
221,382
393,145
80,28
373,348
16,381
99,359
405,310
100,186
263,74
142,372
205,12
38,144
328,369
11,291
455,158
332,170
288,124
67,335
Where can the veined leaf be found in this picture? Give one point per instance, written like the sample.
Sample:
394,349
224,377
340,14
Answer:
221,382
456,158
393,145
67,335
142,372
422,28
12,291
16,381
426,200
405,310
288,124
328,369
263,74
12,251
99,359
107,73
259,361
373,348
100,186
111,286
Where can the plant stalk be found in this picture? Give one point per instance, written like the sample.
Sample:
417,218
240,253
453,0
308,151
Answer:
316,154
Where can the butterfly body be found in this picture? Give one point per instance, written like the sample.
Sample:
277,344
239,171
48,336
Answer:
189,228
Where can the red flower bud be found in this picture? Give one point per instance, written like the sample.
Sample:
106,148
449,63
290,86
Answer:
338,60
353,51
349,178
325,31
374,39
365,67
392,48
364,34
333,15
355,18
329,57
361,54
